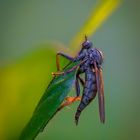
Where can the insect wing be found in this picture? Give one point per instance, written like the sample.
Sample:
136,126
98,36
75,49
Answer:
101,98
100,88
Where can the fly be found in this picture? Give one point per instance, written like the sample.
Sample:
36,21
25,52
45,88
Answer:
91,60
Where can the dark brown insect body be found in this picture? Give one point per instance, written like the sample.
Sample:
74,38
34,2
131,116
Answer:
91,60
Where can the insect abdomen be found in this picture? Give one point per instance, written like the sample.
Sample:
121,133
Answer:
89,92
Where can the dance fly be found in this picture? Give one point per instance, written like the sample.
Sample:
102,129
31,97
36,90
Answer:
91,60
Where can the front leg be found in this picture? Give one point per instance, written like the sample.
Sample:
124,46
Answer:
58,61
79,57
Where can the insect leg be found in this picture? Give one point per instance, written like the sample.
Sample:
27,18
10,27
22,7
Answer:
65,56
69,100
68,71
81,81
77,86
78,79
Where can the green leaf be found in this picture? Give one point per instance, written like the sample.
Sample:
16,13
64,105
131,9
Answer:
47,107
22,84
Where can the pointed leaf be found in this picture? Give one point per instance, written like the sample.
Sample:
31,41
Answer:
53,97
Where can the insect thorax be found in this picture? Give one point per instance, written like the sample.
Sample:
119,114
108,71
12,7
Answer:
95,55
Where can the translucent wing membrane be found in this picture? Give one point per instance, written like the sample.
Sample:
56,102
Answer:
100,88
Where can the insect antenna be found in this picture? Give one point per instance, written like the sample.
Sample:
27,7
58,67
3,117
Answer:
85,37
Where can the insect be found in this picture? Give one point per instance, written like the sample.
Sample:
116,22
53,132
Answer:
90,60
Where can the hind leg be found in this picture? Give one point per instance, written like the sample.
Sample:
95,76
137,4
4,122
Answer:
70,100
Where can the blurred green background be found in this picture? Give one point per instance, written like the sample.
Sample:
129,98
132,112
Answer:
32,31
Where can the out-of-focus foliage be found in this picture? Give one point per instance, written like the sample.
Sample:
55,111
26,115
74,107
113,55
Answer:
97,17
25,67
28,76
